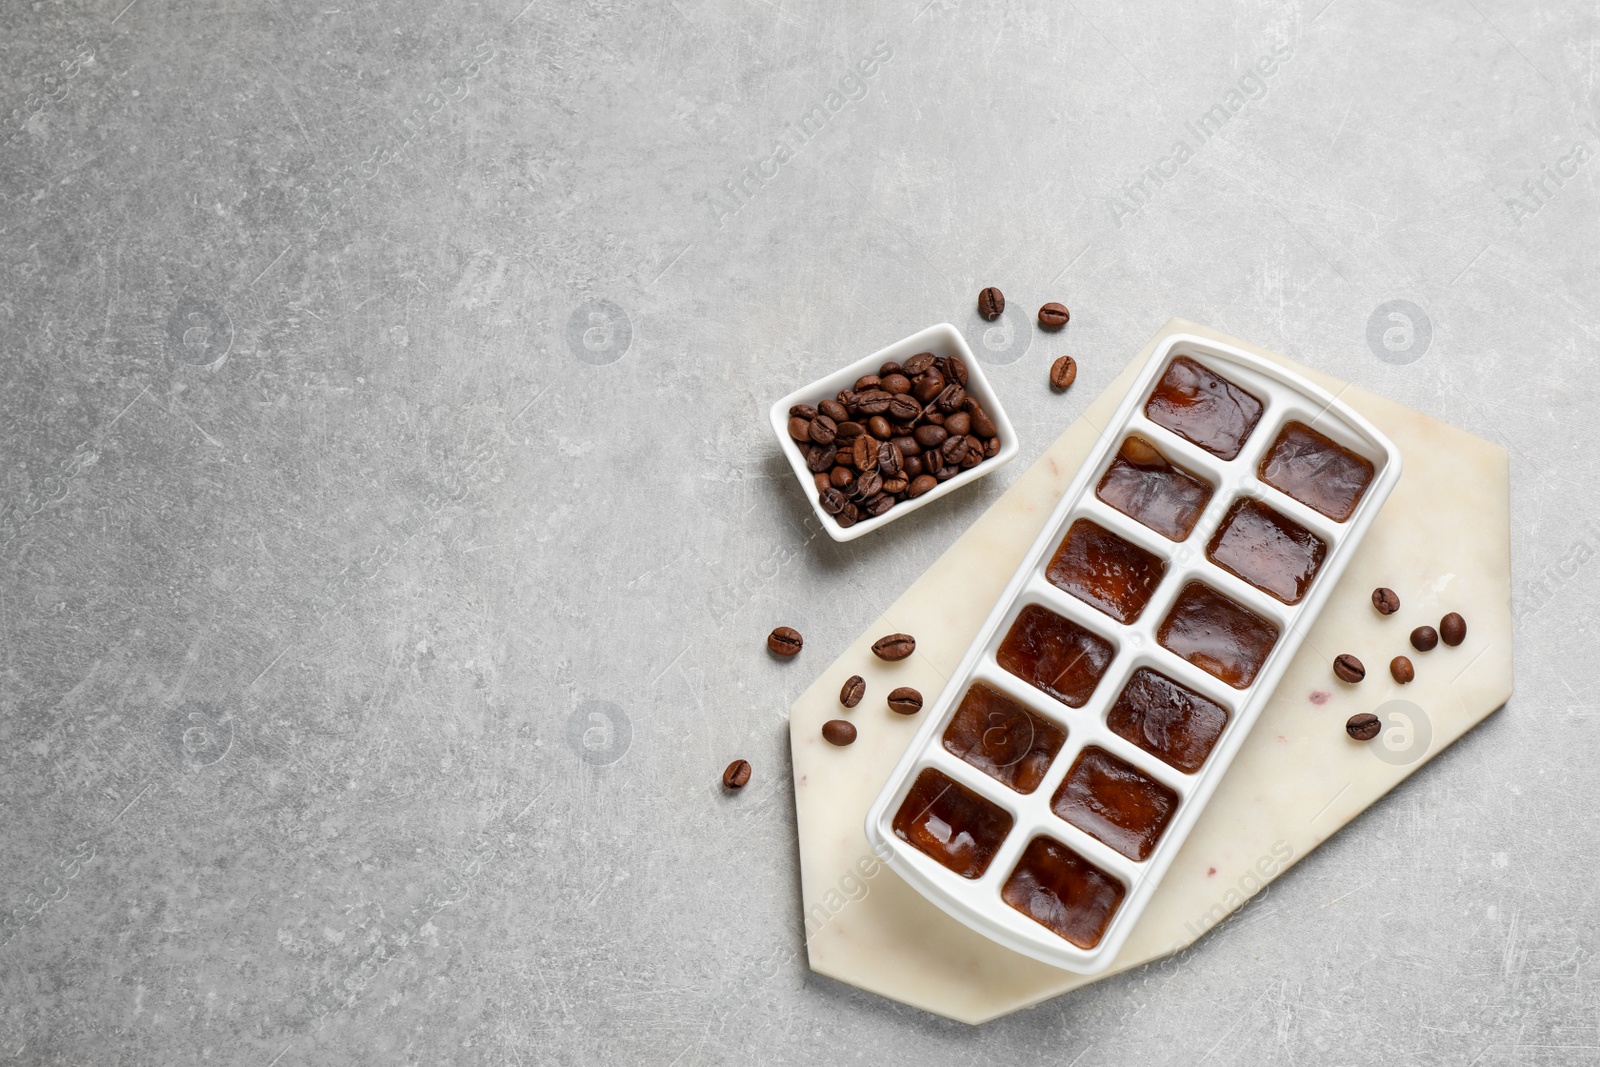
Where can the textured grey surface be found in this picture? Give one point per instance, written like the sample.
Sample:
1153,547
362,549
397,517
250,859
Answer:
389,524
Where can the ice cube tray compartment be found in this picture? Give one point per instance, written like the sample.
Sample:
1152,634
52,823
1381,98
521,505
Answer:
1078,699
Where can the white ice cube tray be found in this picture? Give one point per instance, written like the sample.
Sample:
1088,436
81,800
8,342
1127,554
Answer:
977,902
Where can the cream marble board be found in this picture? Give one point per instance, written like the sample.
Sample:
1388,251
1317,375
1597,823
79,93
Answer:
1442,542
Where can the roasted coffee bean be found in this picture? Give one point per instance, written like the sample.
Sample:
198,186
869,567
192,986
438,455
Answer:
1348,668
1424,639
911,466
921,484
1063,372
848,517
841,477
932,461
804,411
832,500
930,436
838,732
785,641
974,454
1401,670
877,505
820,457
854,688
868,485
1453,629
737,776
991,448
933,416
849,429
905,700
982,425
888,368
865,383
873,402
948,471
896,485
822,481
846,397
890,462
905,408
907,445
956,370
834,410
1053,316
928,385
954,449
917,364
1363,726
896,384
1141,453
894,647
991,302
1386,600
864,452
951,399
799,429
959,424
824,430
879,427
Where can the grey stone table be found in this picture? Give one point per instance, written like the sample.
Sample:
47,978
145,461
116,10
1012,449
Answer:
389,523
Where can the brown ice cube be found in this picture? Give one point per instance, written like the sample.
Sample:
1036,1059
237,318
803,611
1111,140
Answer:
951,823
1055,654
1063,892
1217,635
1111,799
1203,408
1168,720
1270,551
1142,484
1002,738
1102,569
1317,471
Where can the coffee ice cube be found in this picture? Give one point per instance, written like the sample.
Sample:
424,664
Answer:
1055,654
1002,738
1167,720
952,824
1144,485
1217,635
1317,471
1111,799
1063,892
1203,408
1270,551
1102,569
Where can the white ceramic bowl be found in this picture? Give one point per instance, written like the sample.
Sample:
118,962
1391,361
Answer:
942,340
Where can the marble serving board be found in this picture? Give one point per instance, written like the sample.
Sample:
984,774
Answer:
1442,542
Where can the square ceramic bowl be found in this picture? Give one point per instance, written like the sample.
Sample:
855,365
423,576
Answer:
942,340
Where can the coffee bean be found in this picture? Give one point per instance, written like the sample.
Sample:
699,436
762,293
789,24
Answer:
991,302
868,484
877,505
921,484
1063,372
991,448
737,776
864,452
822,481
804,411
854,688
873,402
954,449
896,486
896,384
905,700
1401,670
832,500
1053,316
848,517
849,430
845,397
894,647
820,457
1424,639
933,416
1453,629
982,425
974,454
932,461
834,410
948,471
912,465
929,436
928,385
1386,600
879,427
917,364
799,429
956,370
1348,668
785,641
889,460
950,399
907,445
888,368
1141,453
959,424
866,382
905,408
841,477
838,732
824,430
1363,726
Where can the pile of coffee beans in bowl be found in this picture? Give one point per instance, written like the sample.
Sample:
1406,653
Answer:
893,436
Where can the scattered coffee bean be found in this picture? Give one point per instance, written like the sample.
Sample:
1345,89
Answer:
785,641
737,776
1053,316
1063,372
1386,600
1348,669
854,688
838,732
1363,726
1424,639
893,647
905,700
1401,670
991,302
1453,629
